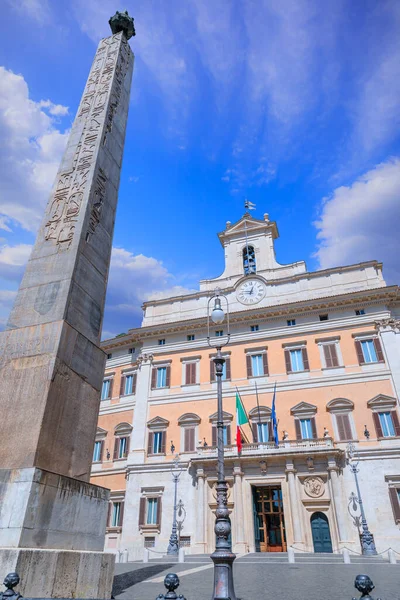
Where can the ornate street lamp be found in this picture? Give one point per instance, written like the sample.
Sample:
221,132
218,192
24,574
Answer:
223,556
366,538
173,546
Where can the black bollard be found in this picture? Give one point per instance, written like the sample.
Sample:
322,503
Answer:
11,580
365,585
171,582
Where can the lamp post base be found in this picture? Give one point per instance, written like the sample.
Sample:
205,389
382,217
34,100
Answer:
223,575
367,544
173,546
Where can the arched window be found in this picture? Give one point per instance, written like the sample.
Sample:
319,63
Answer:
249,260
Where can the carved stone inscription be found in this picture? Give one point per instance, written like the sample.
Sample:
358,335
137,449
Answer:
98,105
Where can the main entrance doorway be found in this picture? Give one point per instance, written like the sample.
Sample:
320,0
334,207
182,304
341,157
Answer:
321,533
269,522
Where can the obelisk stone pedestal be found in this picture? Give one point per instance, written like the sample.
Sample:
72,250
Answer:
52,521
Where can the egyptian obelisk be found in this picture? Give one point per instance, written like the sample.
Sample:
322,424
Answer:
52,521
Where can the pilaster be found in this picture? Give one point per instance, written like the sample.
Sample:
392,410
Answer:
389,331
201,511
294,502
137,454
240,545
337,499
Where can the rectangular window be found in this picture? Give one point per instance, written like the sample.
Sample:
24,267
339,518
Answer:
161,377
219,333
330,355
123,444
323,317
359,312
257,365
296,360
105,390
149,542
128,384
226,435
97,451
184,541
394,494
291,322
157,442
131,351
344,427
226,370
368,350
190,373
151,515
109,356
306,429
116,514
190,337
387,426
262,432
254,327
161,342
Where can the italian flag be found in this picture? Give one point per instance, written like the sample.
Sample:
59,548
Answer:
241,419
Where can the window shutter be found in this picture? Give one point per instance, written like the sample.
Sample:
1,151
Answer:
168,377
163,441
214,435
341,428
122,386
288,363
228,435
127,446
101,450
150,443
142,511
159,512
249,367
110,389
188,373
377,423
116,447
270,432
121,514
330,354
298,429
394,500
187,439
334,356
347,427
110,505
212,370
395,422
265,363
378,349
153,377
228,368
359,351
134,383
313,428
192,441
255,432
305,359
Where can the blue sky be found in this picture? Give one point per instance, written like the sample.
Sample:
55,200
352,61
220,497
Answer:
293,104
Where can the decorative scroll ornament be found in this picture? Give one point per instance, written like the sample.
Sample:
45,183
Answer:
314,487
388,324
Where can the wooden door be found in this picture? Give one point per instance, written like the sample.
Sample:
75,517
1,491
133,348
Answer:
321,533
270,523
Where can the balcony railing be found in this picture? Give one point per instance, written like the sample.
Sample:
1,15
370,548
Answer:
269,447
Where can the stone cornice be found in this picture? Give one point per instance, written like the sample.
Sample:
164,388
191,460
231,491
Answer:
270,282
388,294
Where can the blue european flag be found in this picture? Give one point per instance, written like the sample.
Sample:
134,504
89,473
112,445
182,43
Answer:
273,419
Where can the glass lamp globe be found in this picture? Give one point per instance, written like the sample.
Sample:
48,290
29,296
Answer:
217,315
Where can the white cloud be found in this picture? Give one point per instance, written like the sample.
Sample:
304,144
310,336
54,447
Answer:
134,279
30,152
361,221
38,10
57,110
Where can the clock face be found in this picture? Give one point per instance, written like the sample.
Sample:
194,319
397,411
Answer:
251,291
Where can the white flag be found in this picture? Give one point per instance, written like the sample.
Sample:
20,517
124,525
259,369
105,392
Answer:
249,205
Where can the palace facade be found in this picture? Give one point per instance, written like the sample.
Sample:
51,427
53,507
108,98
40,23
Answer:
329,340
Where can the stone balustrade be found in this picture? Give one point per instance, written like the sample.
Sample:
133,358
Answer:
268,447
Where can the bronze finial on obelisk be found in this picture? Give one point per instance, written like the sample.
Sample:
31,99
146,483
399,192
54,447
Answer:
51,363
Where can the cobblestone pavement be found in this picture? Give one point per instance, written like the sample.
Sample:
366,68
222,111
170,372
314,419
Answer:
257,577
